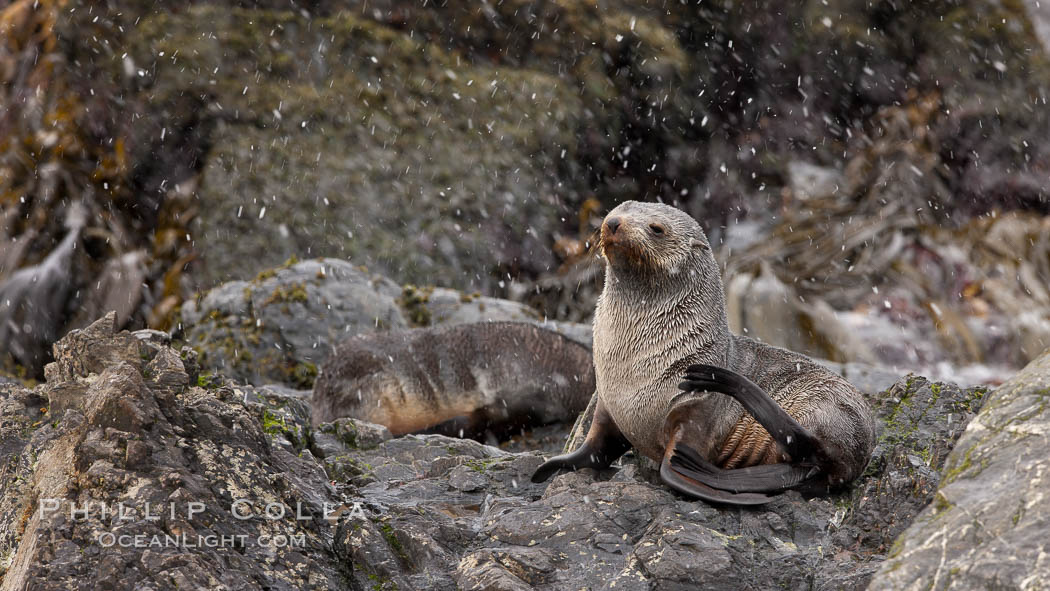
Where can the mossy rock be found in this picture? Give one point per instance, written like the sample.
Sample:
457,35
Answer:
279,327
327,159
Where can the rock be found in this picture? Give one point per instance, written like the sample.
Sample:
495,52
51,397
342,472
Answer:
741,234
120,287
466,479
634,531
138,432
92,350
389,149
921,421
986,527
808,181
764,309
419,511
33,299
343,174
154,337
869,379
379,135
1040,16
437,306
280,326
769,310
342,435
284,412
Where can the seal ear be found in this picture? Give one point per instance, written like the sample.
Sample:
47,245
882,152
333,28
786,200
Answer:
699,244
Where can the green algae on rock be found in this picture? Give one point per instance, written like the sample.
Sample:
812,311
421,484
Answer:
987,527
280,326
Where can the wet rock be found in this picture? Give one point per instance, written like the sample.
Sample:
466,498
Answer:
138,433
986,526
280,326
1040,16
439,306
921,421
466,479
419,511
386,147
627,527
296,403
869,379
283,412
487,569
769,310
808,181
118,287
376,95
92,350
342,435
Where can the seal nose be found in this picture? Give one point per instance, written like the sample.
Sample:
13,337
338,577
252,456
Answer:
612,224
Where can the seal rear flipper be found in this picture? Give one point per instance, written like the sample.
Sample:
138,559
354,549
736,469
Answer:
674,478
795,439
765,478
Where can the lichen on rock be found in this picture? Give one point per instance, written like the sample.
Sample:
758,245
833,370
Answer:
138,474
987,526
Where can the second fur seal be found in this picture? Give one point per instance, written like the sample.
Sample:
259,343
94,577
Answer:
727,418
466,380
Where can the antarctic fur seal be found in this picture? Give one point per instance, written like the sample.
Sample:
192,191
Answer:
728,419
460,380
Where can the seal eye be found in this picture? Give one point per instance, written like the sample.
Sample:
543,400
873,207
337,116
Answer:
656,229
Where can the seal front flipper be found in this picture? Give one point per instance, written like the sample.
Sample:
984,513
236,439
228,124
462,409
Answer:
795,439
604,443
674,478
765,478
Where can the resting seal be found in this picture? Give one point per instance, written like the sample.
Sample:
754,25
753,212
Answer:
461,380
727,418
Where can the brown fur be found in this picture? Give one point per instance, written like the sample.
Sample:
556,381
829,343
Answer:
663,309
471,377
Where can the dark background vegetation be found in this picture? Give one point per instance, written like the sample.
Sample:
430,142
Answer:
476,145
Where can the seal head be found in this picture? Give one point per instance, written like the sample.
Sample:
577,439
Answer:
651,243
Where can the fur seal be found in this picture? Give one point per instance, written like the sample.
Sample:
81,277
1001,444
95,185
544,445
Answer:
728,419
459,380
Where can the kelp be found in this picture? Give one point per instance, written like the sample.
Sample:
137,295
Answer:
66,137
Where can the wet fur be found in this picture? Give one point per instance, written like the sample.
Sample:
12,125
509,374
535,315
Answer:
469,379
662,311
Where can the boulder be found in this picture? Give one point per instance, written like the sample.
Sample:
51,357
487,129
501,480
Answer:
986,527
432,306
809,181
336,135
130,476
282,325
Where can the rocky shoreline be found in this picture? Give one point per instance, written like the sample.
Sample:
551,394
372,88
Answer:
125,418
874,178
886,182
